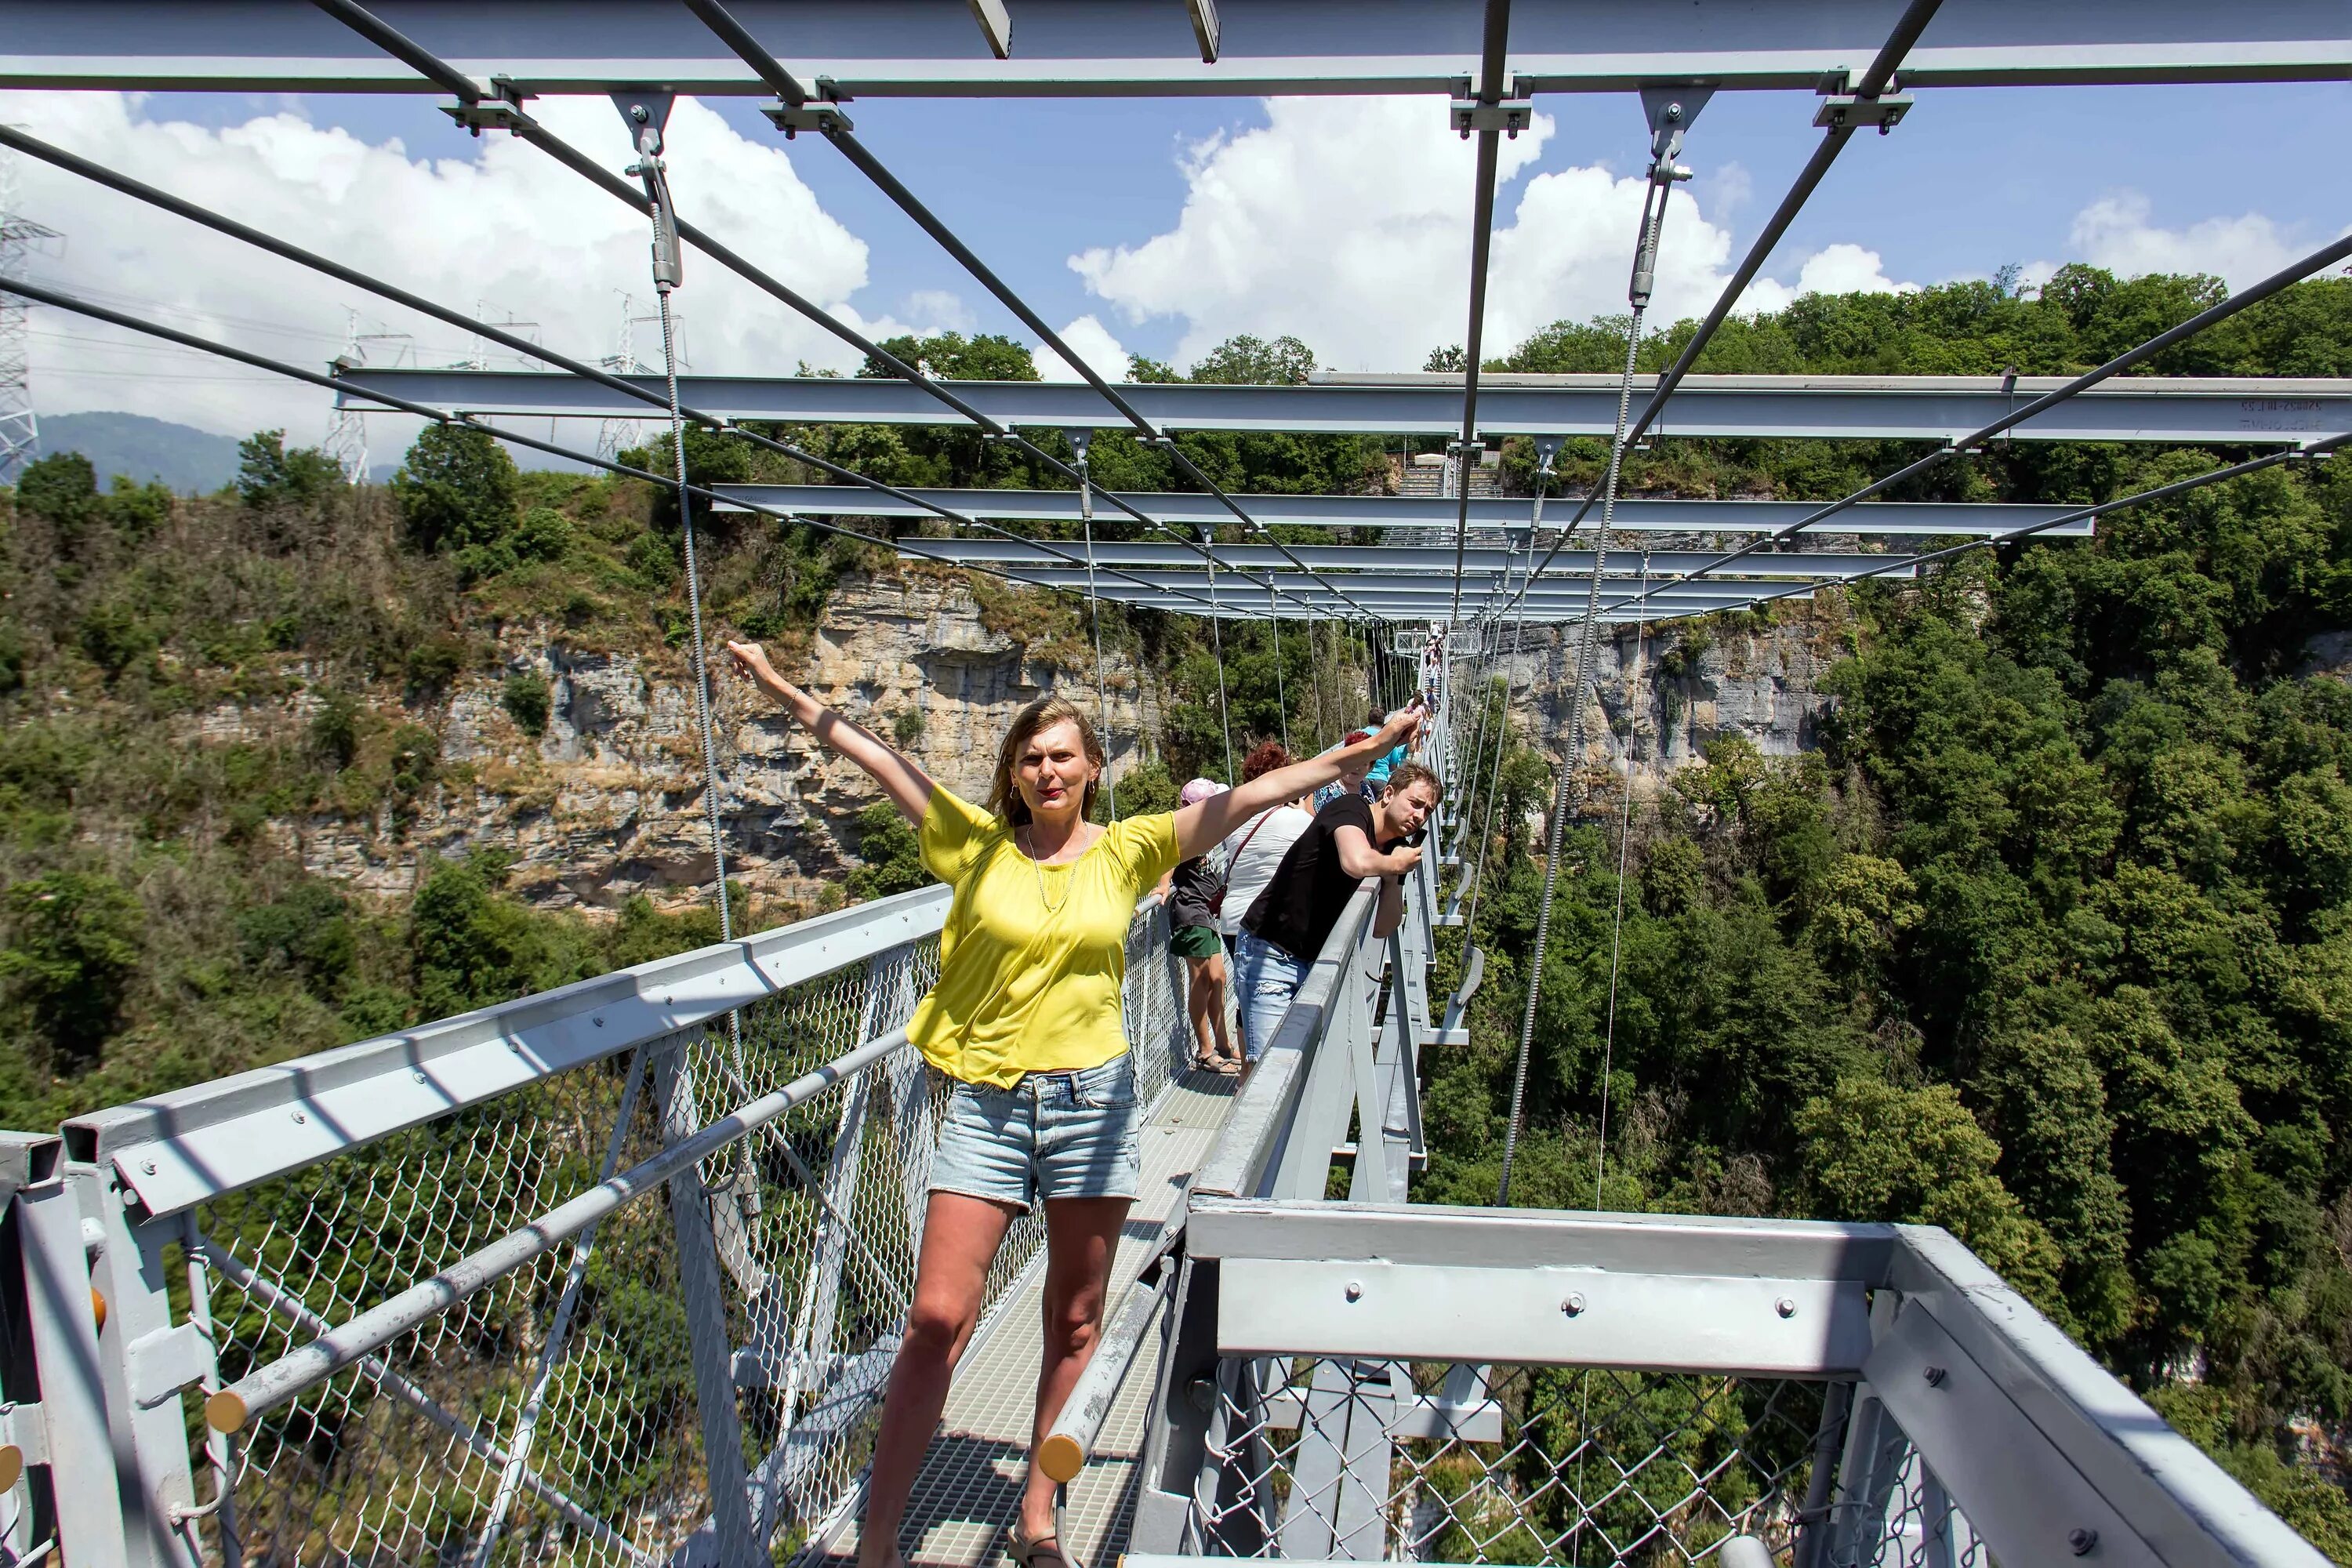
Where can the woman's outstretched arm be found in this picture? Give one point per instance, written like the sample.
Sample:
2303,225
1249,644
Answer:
1200,826
909,786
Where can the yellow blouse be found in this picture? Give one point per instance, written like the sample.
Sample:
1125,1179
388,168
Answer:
1032,957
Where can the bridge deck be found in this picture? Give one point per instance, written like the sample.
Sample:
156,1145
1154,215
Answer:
970,1490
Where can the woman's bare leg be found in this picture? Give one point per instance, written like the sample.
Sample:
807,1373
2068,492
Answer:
1081,1236
1215,971
960,1236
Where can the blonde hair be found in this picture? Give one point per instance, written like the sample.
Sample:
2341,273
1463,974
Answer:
1003,794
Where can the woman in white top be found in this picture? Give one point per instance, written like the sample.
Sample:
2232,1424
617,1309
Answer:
1253,852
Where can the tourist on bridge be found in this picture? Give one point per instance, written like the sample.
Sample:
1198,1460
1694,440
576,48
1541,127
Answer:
1025,1022
1286,926
1190,893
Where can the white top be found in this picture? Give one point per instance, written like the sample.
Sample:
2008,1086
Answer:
1253,864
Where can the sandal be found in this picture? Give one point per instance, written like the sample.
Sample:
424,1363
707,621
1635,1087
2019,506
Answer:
1223,1067
1025,1551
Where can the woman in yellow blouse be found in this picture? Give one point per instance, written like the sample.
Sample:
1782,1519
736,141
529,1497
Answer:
1026,1020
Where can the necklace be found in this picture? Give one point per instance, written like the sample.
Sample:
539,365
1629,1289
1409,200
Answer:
1038,865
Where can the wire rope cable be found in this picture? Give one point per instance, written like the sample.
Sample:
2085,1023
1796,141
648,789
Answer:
1654,214
1281,698
1217,645
1094,614
1617,919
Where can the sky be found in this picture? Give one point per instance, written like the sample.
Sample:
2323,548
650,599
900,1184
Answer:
1131,226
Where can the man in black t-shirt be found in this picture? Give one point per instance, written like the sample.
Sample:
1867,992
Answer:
1291,919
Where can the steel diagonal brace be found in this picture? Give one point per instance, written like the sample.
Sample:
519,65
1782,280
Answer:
50,297
800,111
1873,83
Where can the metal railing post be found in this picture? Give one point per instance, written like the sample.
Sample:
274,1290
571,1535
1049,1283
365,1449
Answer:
60,1305
1869,1466
144,1361
713,1356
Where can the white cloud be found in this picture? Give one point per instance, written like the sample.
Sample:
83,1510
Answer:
1345,221
1840,269
2115,233
504,225
940,311
1095,345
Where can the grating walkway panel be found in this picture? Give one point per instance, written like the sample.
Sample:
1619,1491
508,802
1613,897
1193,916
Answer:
970,1490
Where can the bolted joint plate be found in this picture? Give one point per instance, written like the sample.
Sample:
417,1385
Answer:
817,114
1510,117
1844,111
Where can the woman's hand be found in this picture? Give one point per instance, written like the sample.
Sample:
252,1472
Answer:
751,660
1403,728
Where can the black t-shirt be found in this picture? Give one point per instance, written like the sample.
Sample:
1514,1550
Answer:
1308,891
1190,889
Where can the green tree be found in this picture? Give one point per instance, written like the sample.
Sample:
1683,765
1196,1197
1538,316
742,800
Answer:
458,489
73,952
1874,1152
891,856
268,475
526,701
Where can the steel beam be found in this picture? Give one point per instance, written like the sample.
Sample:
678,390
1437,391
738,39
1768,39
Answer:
1380,590
1639,515
1111,48
1923,408
1478,561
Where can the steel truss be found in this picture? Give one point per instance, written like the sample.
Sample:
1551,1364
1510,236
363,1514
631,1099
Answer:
1063,48
1916,408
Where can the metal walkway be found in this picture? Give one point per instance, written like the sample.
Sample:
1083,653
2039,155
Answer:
969,1489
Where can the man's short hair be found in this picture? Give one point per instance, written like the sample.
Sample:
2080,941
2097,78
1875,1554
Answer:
1404,775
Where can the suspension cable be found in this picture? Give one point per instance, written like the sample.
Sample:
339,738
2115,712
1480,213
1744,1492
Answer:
1663,177
1082,439
1617,921
1281,698
1217,643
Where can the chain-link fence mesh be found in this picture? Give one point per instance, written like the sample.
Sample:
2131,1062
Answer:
553,1416
1329,1457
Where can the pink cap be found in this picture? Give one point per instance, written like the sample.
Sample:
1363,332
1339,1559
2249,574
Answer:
1198,790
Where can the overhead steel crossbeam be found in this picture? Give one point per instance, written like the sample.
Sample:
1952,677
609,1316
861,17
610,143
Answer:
1866,101
642,390
1487,514
2312,452
2176,410
1387,590
2325,257
1119,48
57,299
504,111
797,112
1420,561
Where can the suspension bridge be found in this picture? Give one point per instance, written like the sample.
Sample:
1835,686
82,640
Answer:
614,1274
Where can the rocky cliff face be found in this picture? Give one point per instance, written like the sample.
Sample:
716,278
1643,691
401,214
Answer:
1673,690
609,802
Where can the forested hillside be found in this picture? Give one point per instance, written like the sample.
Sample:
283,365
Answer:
2051,941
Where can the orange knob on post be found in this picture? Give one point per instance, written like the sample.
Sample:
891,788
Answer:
224,1411
97,1308
1060,1457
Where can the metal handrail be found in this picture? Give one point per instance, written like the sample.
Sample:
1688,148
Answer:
1262,1111
292,1373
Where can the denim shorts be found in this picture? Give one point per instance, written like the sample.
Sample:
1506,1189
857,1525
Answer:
1052,1135
1266,978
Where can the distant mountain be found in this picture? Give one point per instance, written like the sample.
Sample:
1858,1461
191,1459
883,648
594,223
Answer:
188,460
183,458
